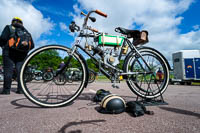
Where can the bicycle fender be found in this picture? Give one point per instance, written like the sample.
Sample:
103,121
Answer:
125,60
132,52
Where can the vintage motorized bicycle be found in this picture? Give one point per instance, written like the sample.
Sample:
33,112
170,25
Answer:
48,74
76,75
139,68
32,74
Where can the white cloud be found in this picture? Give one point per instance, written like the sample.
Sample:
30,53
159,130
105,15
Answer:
196,27
160,17
32,18
44,42
63,26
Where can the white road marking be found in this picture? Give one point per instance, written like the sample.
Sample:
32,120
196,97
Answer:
93,91
89,91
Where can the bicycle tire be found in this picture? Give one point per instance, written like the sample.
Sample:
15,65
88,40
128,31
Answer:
38,78
47,76
56,96
137,82
92,77
62,82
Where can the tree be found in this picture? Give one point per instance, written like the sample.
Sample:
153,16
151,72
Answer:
91,65
73,62
46,59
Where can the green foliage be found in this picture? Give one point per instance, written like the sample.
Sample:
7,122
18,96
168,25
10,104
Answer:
73,62
46,59
91,65
120,65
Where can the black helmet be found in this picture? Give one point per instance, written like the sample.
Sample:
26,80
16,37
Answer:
112,104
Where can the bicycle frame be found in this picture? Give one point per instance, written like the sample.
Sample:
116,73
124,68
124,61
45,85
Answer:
99,63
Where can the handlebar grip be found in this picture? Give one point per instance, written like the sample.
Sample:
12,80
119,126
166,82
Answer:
101,13
82,13
94,30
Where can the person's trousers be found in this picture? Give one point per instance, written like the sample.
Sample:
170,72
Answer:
8,65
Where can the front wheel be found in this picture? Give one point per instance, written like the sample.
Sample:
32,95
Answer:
47,93
150,73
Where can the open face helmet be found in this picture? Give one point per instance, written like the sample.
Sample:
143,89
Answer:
113,104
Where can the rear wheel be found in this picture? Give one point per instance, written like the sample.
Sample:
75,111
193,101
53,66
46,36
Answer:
48,93
47,76
92,76
147,83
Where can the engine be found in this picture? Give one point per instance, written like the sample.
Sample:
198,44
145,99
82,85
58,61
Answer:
109,55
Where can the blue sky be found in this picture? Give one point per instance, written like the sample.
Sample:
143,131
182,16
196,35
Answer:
58,12
191,17
173,25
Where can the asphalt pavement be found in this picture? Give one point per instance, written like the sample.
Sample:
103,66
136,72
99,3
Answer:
181,114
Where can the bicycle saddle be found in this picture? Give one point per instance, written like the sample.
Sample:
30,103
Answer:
129,33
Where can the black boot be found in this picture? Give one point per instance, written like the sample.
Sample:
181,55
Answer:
19,91
5,92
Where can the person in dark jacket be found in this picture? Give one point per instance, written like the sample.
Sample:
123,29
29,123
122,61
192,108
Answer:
62,64
11,57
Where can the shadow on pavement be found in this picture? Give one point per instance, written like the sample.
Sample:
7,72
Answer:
19,105
90,96
15,103
85,96
62,130
181,111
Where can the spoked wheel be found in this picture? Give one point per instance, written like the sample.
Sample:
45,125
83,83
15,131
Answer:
60,79
92,76
48,76
147,82
47,93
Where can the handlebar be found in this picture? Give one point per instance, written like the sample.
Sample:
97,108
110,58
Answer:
101,13
88,15
93,19
73,27
93,29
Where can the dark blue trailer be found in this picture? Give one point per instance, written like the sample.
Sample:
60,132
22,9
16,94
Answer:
186,66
